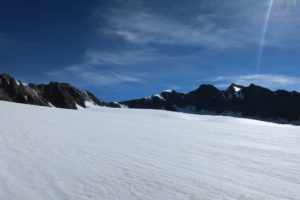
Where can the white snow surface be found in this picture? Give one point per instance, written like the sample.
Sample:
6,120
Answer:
236,89
90,104
104,153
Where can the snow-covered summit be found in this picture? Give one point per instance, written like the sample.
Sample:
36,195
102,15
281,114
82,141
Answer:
237,89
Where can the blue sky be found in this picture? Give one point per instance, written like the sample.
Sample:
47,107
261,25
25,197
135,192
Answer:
123,49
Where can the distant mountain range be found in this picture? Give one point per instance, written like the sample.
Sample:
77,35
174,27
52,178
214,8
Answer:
249,102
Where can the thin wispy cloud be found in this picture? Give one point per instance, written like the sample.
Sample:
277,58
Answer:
139,45
146,27
283,29
92,71
138,24
98,79
85,77
146,30
129,57
267,80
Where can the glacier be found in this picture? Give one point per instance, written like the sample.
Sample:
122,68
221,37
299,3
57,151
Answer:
104,153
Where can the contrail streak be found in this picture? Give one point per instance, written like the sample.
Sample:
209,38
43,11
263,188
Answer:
263,37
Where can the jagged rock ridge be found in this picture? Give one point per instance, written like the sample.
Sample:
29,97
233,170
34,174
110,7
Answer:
61,95
251,102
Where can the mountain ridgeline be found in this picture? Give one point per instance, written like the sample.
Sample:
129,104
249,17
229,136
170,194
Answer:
250,102
60,95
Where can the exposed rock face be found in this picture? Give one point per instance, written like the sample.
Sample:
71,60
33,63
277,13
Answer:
167,100
252,101
61,95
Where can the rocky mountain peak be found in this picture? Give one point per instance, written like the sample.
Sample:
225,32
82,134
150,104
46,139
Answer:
233,88
61,95
253,101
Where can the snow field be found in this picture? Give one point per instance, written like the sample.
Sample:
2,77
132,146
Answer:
105,153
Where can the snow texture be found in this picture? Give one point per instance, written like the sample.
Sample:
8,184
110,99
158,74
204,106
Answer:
104,153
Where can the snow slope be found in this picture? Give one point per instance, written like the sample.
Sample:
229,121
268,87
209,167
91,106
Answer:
105,153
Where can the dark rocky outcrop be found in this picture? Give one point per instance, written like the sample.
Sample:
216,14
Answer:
167,100
61,95
251,102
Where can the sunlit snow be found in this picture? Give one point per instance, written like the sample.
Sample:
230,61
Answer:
236,89
104,153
